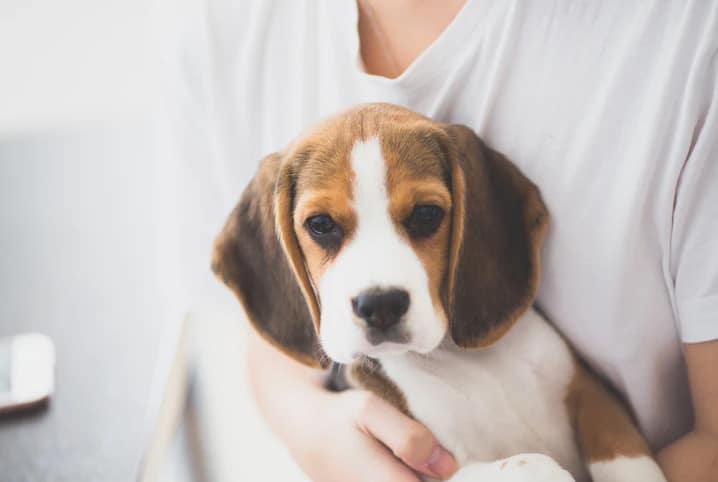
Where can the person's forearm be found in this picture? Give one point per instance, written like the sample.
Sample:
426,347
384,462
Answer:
281,386
692,458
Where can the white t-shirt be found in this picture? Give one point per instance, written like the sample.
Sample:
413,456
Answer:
610,107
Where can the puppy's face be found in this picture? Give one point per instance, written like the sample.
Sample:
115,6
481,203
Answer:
373,219
379,232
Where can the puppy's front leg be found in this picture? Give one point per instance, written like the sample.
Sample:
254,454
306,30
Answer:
519,468
612,446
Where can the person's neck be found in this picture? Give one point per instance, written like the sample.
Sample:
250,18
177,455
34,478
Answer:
393,33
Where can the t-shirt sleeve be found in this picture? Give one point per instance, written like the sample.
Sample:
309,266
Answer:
694,243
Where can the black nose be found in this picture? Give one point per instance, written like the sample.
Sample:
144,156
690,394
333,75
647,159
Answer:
381,309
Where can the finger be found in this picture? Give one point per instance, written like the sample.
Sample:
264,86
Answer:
408,439
385,467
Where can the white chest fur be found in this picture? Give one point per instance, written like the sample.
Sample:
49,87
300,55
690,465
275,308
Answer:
498,401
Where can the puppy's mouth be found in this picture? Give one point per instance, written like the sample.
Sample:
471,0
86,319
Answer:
346,342
392,343
383,350
395,335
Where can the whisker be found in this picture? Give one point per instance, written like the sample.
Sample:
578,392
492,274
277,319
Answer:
320,355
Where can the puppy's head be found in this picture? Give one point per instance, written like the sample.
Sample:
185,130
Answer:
380,232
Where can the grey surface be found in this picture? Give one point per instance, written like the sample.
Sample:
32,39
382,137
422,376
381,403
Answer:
77,263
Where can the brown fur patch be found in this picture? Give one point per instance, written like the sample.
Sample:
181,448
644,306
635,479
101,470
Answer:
283,206
601,422
249,259
499,222
369,375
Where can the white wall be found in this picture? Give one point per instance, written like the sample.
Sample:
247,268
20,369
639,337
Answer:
69,62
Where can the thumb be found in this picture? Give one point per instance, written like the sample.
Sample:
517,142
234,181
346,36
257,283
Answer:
408,439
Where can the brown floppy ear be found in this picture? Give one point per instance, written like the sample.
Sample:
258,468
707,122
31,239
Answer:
258,257
498,224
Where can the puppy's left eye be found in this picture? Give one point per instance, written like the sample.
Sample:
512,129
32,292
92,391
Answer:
325,231
424,220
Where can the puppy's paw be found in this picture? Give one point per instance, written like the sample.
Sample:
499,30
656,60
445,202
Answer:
627,469
519,468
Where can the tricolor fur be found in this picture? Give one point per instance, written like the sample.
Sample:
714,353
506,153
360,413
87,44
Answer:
383,236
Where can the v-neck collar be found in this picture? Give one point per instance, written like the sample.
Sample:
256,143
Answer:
446,47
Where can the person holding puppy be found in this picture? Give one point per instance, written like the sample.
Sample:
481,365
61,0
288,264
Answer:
610,108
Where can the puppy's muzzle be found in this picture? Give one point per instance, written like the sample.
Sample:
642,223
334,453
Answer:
381,309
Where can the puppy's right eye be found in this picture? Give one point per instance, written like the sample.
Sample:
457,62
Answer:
424,220
320,225
325,231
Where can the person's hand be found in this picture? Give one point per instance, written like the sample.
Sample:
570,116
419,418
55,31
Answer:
353,436
356,436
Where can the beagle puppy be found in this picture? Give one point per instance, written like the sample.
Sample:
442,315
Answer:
408,251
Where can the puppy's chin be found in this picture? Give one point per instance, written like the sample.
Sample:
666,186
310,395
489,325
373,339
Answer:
393,350
387,350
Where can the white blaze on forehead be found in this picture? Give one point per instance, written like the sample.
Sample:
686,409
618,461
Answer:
369,189
375,256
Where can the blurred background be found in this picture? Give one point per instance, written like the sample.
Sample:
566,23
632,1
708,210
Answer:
73,63
144,390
